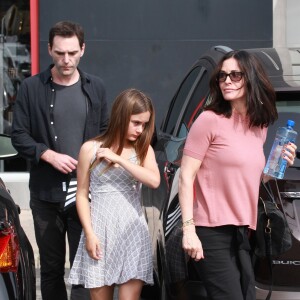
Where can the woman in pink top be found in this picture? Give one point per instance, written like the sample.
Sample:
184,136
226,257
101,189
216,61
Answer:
221,170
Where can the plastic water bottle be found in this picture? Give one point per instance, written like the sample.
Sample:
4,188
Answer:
276,164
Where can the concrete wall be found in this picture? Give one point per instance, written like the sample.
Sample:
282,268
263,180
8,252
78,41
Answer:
17,184
293,23
286,38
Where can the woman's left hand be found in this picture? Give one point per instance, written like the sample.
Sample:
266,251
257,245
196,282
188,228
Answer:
289,153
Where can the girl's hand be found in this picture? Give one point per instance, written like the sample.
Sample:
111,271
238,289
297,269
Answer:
107,154
289,153
92,245
192,245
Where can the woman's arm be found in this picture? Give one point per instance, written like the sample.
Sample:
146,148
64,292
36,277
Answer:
82,198
190,242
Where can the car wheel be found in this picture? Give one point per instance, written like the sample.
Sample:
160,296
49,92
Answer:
26,272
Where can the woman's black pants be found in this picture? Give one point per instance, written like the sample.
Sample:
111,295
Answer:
226,269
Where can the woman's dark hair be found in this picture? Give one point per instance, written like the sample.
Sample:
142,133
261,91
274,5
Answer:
66,29
260,94
129,102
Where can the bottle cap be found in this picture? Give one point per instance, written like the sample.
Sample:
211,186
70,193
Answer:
290,123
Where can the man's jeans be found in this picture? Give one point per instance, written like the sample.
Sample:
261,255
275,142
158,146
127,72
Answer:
51,224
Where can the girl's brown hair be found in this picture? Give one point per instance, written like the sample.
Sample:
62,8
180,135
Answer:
129,102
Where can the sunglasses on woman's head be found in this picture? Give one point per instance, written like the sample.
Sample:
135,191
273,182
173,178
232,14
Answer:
234,76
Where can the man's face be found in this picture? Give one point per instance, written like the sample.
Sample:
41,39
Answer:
66,54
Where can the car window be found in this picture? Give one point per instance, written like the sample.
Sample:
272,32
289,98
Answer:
195,105
179,100
287,110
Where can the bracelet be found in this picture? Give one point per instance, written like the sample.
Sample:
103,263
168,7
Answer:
188,223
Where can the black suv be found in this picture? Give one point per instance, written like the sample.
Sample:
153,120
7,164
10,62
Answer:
173,274
17,269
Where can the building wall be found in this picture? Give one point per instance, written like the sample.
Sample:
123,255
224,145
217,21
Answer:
286,36
293,23
151,44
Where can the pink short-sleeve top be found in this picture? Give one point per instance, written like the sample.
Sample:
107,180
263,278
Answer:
227,183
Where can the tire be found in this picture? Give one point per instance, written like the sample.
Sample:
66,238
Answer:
26,271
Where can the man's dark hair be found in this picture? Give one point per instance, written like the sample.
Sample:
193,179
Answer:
66,29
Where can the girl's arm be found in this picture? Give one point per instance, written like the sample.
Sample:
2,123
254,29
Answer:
147,174
82,198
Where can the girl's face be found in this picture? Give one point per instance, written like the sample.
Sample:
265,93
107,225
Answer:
136,125
231,81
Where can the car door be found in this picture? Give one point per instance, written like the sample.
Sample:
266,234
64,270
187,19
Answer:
185,108
162,205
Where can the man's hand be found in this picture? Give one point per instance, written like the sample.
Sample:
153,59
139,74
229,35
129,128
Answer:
62,162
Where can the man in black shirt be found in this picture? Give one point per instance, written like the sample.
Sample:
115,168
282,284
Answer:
55,112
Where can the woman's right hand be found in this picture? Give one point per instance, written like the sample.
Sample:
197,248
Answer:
192,245
92,245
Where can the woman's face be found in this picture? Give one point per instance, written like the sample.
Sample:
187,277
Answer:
233,88
136,125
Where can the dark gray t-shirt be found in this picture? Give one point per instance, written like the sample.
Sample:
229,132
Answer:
70,112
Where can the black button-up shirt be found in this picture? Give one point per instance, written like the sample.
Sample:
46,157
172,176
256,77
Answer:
32,133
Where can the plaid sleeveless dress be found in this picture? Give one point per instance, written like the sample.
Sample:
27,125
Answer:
118,221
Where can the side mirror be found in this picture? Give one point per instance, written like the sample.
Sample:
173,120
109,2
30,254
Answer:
6,148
